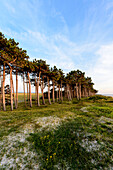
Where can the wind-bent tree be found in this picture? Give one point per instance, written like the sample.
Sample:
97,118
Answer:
41,68
29,68
19,65
14,61
54,78
3,43
69,80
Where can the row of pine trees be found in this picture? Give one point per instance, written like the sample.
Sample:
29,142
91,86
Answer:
15,61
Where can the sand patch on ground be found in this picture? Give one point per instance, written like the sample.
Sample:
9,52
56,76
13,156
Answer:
16,152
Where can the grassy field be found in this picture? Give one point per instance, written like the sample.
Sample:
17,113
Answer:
68,135
21,96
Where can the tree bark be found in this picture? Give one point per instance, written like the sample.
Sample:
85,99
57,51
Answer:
30,97
48,90
38,79
57,93
70,97
77,92
13,93
16,89
27,91
35,91
3,88
42,90
24,90
68,92
11,89
53,95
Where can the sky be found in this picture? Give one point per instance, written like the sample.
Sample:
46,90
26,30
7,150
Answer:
71,34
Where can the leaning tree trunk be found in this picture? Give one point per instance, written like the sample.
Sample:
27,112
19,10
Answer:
11,89
24,90
53,95
16,89
70,96
79,90
27,91
13,93
38,80
30,97
3,88
35,91
48,90
42,90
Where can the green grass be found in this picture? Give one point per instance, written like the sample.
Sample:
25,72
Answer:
81,139
63,147
13,120
21,96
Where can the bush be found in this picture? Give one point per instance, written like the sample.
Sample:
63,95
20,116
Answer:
98,97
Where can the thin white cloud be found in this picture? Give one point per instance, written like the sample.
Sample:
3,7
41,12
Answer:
102,72
67,55
60,17
56,48
9,7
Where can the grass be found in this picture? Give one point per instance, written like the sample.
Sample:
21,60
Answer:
21,96
71,135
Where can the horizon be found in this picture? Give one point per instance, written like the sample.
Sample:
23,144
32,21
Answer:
71,35
46,91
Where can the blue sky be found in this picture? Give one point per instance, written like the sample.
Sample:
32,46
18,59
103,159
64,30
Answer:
71,34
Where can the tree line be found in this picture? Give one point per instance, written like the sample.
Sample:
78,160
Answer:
15,61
